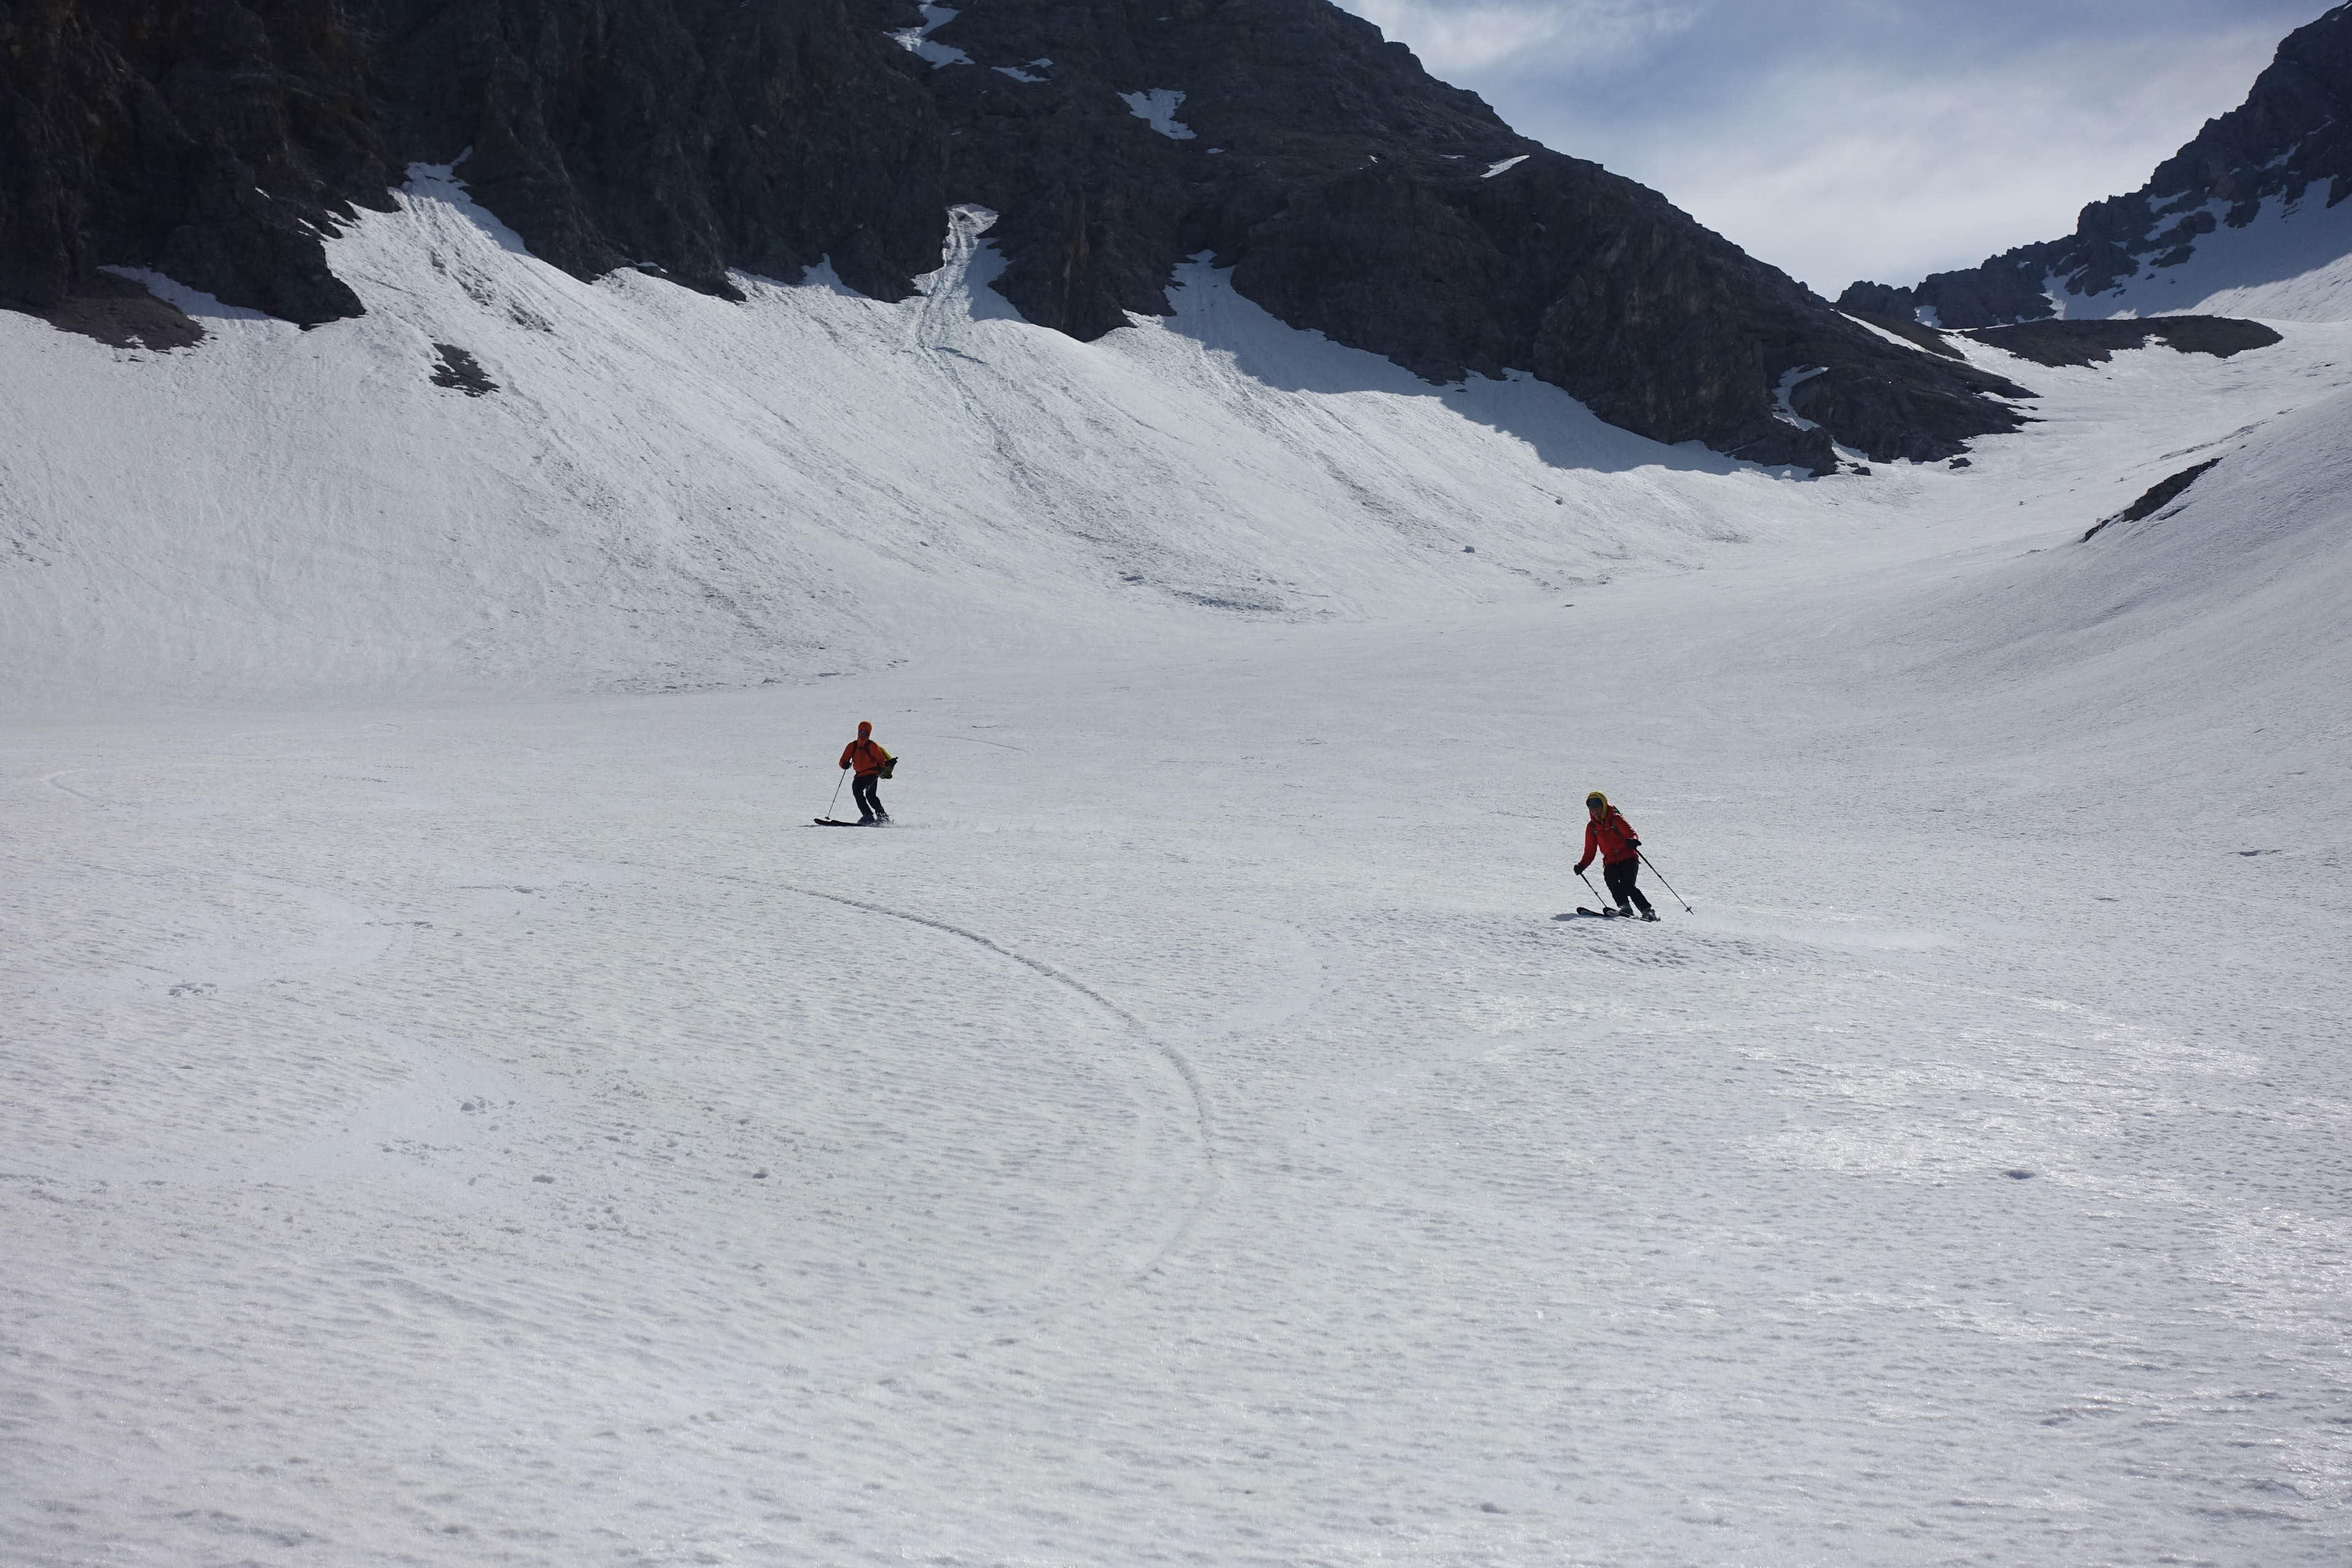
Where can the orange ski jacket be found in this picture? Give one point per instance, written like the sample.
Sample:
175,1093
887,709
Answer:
863,754
1613,838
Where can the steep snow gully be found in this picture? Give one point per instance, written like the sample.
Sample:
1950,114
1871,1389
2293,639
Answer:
456,1113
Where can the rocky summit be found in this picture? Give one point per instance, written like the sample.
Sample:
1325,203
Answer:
2288,146
1349,191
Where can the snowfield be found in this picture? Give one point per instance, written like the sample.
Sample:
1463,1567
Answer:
457,1113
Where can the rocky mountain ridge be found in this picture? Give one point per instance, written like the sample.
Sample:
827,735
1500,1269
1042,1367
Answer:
2290,142
1350,193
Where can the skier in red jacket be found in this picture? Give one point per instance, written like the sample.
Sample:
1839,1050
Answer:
870,760
1608,834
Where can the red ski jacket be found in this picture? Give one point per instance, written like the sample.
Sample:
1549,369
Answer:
1613,838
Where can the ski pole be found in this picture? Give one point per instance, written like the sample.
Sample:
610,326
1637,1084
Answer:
836,798
1663,883
1592,889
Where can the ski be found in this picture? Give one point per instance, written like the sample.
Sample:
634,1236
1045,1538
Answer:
833,822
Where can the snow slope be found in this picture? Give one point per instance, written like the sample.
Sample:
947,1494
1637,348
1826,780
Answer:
455,1129
2292,263
670,489
2224,608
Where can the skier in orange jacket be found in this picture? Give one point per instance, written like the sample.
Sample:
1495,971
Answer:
1608,834
870,760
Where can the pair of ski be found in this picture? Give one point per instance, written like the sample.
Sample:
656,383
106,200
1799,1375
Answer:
1609,913
836,822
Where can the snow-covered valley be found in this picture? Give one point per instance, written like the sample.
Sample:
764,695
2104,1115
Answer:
459,1113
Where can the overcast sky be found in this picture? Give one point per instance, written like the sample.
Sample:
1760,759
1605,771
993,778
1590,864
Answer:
1846,139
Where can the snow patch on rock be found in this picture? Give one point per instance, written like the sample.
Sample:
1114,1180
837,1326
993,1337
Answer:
917,40
1157,107
1791,379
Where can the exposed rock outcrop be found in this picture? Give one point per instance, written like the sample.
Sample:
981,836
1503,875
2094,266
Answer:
457,370
2155,498
2094,342
121,313
1350,192
2291,139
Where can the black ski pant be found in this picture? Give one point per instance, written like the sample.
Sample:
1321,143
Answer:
863,791
1619,875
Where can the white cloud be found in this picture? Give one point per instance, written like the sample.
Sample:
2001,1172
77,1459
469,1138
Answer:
1480,35
1844,173
1846,138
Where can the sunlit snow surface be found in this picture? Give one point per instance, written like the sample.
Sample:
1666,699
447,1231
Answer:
450,1130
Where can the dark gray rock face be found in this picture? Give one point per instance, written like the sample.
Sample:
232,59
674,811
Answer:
204,137
2094,342
688,137
2292,139
210,139
1350,191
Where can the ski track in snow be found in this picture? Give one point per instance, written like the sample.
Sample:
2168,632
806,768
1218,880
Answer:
1175,1058
450,1129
